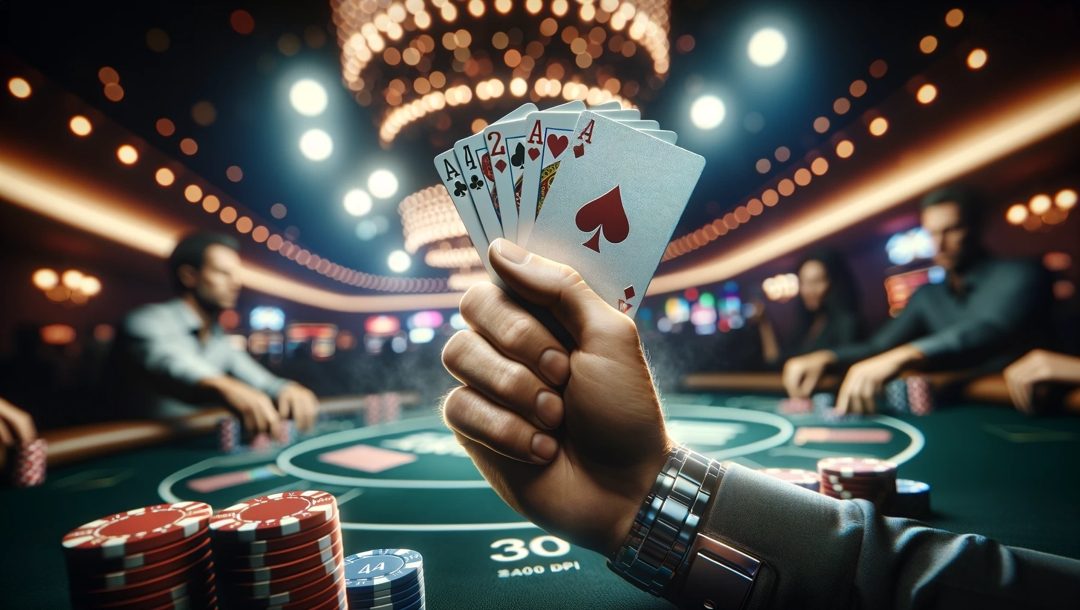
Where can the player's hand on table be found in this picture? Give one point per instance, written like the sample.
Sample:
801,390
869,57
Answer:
802,373
571,441
255,409
1035,367
299,403
16,426
866,378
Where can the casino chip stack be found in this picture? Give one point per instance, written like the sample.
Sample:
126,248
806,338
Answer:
282,551
385,579
153,557
849,478
919,395
28,468
797,476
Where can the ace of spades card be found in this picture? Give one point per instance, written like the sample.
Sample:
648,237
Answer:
613,209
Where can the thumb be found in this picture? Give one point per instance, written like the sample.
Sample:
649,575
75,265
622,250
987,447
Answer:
555,287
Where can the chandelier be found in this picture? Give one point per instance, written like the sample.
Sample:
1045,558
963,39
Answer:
447,63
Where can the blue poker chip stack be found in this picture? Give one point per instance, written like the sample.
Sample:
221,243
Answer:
385,579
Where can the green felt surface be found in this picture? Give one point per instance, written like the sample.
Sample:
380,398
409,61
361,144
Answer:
992,471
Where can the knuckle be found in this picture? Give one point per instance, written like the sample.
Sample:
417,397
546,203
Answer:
475,299
454,350
515,335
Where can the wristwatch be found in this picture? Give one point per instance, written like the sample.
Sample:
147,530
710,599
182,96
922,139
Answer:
665,554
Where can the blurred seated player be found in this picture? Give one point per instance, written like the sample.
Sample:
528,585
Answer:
987,312
16,426
171,356
828,315
576,442
1040,370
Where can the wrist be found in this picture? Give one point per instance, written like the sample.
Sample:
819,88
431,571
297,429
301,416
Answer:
666,523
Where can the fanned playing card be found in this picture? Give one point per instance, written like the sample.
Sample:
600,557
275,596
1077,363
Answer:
505,143
454,181
476,165
545,146
611,213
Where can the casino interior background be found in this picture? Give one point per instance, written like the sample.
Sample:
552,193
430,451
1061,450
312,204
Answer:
123,129
306,130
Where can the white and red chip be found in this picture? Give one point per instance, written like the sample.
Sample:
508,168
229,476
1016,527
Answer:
140,529
275,515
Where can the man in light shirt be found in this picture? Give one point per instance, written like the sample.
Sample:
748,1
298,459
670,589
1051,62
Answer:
171,356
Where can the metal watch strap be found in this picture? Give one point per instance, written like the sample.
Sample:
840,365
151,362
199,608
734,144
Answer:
663,531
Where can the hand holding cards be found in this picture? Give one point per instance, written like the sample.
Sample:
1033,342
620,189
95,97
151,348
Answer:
621,187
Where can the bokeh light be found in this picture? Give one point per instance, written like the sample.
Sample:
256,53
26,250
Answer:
767,47
316,145
19,88
357,202
399,261
127,154
707,112
80,125
308,97
382,183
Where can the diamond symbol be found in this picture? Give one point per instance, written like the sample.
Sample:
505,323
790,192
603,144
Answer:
628,292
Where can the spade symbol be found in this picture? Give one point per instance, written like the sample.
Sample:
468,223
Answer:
518,158
459,188
606,215
475,183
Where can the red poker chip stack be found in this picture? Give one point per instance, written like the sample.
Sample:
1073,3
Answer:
920,397
153,557
283,550
849,478
29,467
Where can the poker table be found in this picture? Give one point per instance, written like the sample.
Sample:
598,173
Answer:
407,484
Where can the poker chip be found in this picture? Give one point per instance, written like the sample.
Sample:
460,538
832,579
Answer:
920,396
138,530
275,515
283,550
29,465
176,583
182,596
90,580
288,555
797,476
385,578
796,406
912,500
851,478
84,563
277,571
233,547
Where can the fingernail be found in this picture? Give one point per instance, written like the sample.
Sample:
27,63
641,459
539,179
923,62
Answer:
555,365
549,409
544,447
511,251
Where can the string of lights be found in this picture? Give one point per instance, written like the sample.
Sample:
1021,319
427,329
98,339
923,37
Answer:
815,163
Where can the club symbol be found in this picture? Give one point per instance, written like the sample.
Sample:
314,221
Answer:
459,188
475,183
518,158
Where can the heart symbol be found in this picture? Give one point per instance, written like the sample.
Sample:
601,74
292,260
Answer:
579,150
518,158
500,165
557,144
605,215
485,168
534,153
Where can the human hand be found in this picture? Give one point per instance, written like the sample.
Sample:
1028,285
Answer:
572,441
254,408
299,403
865,379
802,373
1035,367
16,426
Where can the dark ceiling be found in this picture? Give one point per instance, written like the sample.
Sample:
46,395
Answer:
246,78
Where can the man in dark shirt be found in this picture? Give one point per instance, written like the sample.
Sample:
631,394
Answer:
985,314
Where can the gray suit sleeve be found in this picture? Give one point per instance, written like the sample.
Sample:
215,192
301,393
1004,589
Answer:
824,553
